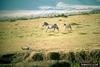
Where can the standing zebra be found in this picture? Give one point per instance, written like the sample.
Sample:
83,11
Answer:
50,26
68,27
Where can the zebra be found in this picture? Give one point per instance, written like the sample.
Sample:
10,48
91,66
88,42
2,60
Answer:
50,26
68,27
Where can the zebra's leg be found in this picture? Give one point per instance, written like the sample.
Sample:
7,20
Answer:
70,27
53,29
47,29
65,28
57,29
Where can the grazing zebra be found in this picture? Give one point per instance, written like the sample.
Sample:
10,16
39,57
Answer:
51,26
68,27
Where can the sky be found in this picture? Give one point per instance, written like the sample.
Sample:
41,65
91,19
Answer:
46,4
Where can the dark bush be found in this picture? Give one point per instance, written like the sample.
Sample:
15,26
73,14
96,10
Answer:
61,15
84,13
23,18
38,57
54,56
12,20
61,64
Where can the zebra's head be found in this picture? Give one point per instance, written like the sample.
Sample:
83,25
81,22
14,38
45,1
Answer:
45,24
64,24
55,24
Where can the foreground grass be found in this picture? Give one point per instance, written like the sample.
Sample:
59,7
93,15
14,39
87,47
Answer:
51,59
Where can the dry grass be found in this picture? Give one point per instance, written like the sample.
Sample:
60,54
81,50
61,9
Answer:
38,59
30,32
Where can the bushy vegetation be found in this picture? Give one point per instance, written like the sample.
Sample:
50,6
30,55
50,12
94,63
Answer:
61,15
13,19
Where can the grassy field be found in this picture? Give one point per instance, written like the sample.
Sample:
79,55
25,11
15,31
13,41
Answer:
85,34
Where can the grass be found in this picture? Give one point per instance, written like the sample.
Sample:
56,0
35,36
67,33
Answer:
96,32
53,59
23,32
82,33
30,32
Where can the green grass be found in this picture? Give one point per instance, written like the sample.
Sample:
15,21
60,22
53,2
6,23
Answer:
52,59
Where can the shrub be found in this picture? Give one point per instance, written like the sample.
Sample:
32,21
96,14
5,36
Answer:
38,57
61,15
12,20
23,18
84,13
54,56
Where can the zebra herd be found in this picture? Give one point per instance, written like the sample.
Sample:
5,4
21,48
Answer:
56,27
49,26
